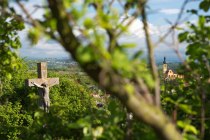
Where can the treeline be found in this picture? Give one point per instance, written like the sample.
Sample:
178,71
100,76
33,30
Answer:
53,64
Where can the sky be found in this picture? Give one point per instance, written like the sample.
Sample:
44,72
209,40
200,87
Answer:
161,13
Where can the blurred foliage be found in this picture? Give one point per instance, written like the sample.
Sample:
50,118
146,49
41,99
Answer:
10,24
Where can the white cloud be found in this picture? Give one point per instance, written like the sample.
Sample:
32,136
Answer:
43,49
36,13
136,27
170,11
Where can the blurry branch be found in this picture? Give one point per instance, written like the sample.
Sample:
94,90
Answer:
37,7
33,22
203,113
120,3
132,18
174,25
110,32
206,62
58,12
68,39
129,123
175,46
111,2
150,48
110,5
112,40
144,91
203,100
41,6
1,87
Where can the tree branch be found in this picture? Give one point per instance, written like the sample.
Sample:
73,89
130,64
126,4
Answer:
150,53
114,82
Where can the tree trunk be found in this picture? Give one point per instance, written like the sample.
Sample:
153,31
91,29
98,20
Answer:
144,111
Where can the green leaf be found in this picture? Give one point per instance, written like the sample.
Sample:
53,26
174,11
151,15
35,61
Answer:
190,128
186,108
187,127
9,76
168,99
204,5
193,11
34,35
88,23
85,54
129,88
138,54
181,124
128,45
201,22
183,36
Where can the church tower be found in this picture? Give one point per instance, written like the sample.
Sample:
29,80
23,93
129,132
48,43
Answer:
165,66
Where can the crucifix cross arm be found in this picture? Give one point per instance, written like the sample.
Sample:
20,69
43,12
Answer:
42,77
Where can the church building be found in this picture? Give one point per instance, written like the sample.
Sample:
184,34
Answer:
169,74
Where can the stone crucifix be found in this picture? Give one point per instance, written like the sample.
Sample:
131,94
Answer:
43,84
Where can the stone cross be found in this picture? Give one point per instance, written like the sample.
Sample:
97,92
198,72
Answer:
43,83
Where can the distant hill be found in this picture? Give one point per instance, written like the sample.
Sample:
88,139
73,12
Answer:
52,63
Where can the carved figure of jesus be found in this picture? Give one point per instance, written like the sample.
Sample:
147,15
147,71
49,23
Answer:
43,91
